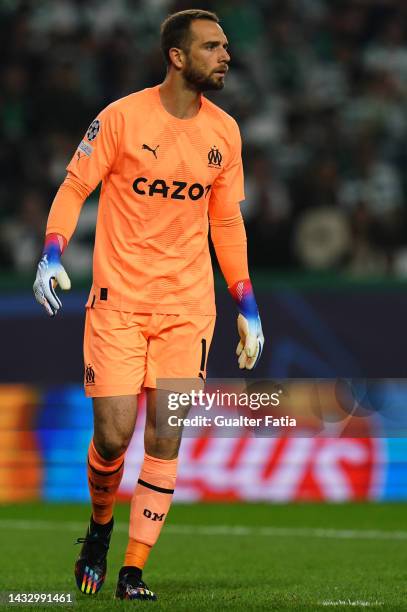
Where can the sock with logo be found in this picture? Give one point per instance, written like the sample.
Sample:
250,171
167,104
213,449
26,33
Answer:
150,504
104,478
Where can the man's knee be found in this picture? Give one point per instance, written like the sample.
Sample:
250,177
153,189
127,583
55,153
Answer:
114,419
162,448
160,439
111,445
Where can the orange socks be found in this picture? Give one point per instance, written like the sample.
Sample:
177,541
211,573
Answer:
136,554
150,502
104,478
149,507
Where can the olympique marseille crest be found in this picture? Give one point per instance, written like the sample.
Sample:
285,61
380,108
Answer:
214,158
89,375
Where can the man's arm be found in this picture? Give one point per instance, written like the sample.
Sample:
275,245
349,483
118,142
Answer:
90,164
62,220
229,240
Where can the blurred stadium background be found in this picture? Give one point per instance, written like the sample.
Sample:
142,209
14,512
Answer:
319,88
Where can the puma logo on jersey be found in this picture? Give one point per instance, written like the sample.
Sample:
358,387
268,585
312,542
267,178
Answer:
153,151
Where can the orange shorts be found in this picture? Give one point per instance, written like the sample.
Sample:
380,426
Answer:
126,351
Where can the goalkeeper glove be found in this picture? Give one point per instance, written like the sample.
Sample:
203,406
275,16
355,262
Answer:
251,336
50,273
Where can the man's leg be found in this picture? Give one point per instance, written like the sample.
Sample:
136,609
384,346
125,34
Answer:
177,350
114,421
150,502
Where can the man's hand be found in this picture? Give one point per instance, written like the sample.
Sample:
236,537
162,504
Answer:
251,342
50,273
251,336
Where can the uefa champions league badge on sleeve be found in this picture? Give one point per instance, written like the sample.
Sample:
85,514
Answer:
85,148
93,130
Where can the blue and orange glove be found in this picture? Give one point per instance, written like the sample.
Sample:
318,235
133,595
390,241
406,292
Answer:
251,336
50,273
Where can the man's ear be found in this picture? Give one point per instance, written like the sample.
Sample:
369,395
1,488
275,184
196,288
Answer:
177,57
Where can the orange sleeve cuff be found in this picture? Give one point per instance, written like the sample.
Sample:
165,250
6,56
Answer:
66,207
230,243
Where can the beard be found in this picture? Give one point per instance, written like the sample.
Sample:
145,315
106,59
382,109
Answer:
198,81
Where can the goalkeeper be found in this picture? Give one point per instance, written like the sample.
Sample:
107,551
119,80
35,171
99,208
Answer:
170,165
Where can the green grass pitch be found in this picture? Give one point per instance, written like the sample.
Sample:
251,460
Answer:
223,557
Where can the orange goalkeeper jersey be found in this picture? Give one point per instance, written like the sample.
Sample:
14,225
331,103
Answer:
160,177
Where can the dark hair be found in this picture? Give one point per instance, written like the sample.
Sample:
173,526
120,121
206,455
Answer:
175,29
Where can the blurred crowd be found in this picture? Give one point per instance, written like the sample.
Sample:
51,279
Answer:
319,88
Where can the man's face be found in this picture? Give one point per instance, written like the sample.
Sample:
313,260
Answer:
207,58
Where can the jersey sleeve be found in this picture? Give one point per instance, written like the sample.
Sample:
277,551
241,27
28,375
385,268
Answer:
97,152
229,185
66,207
229,240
